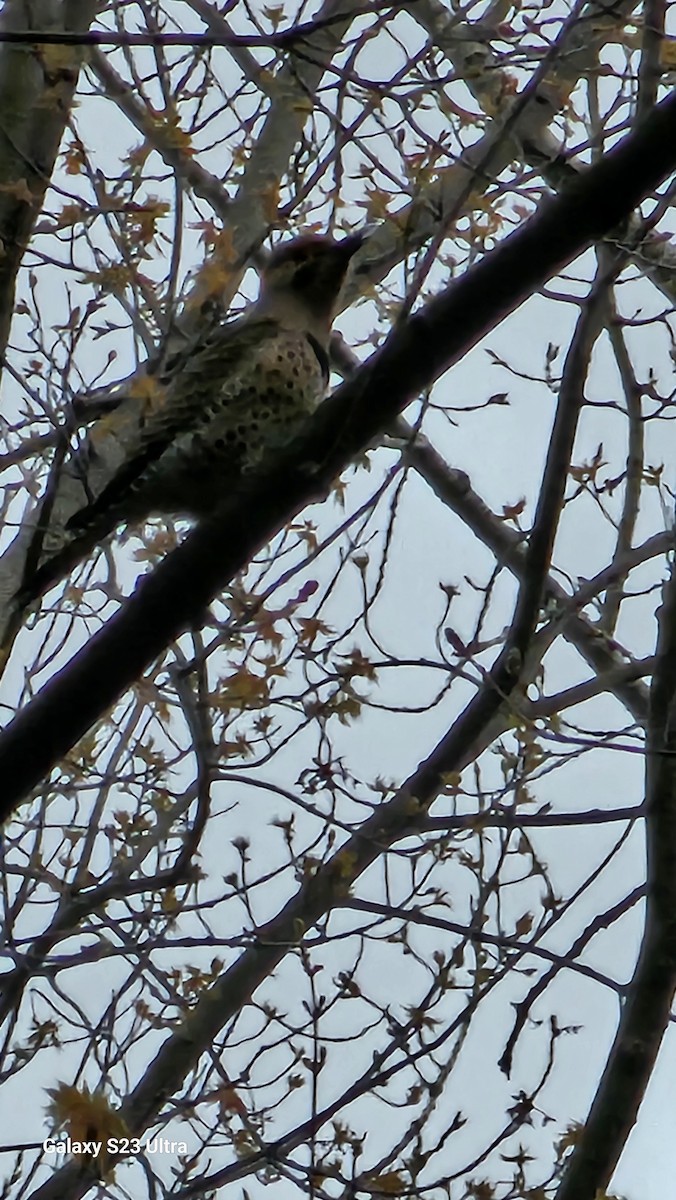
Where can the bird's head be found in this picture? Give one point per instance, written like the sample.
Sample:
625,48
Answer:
302,280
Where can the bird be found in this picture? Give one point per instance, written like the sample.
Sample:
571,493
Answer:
248,386
210,413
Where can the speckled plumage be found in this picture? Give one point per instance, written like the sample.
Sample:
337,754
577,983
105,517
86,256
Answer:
248,386
241,395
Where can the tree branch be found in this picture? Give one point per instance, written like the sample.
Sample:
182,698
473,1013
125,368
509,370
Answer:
417,353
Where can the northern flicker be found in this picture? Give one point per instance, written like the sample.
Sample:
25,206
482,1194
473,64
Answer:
217,406
248,386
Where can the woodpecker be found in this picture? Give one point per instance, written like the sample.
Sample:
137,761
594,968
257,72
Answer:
218,406
199,421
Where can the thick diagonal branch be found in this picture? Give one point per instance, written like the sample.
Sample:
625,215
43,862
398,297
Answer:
417,353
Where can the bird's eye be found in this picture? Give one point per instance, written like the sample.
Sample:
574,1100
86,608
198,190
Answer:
305,271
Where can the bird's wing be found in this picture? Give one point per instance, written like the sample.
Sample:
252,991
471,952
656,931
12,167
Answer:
185,388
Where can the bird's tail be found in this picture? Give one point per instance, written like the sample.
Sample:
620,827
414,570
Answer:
49,544
44,550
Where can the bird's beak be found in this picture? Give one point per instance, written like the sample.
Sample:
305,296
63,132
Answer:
354,241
